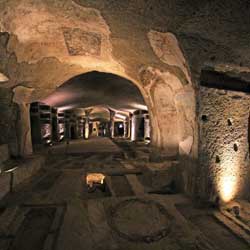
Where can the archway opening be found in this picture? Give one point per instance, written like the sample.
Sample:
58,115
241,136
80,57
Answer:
93,104
119,129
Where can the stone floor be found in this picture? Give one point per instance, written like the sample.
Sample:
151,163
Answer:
93,145
54,209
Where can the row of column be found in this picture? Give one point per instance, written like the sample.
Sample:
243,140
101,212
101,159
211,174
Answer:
134,127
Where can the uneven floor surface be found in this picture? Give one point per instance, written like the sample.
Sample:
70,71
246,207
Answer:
79,146
54,210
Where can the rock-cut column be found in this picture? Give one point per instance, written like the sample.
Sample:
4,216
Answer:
112,123
24,130
22,96
86,133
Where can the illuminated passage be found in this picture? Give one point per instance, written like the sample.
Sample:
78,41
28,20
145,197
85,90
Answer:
117,116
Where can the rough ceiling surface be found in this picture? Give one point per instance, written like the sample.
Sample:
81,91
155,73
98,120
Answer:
113,36
97,89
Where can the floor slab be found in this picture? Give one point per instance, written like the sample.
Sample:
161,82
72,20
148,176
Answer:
92,145
105,220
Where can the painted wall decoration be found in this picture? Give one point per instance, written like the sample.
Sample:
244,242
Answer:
82,43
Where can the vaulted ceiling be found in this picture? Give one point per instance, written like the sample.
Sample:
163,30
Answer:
97,89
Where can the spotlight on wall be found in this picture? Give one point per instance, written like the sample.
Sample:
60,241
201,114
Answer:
229,180
48,141
228,187
3,78
11,170
133,133
86,132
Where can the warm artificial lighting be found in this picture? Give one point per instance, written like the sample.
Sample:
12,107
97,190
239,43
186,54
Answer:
139,106
61,128
48,141
64,108
123,117
228,188
228,181
11,170
86,134
133,129
3,78
94,178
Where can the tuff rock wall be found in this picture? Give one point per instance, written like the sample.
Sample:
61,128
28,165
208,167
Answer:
223,144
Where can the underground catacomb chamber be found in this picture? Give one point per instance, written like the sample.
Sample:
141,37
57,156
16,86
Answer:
94,104
107,86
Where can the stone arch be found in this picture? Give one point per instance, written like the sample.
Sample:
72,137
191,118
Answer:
171,104
66,43
115,73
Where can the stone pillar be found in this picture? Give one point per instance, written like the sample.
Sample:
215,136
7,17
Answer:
125,129
24,130
133,128
22,96
95,129
87,113
112,128
86,129
146,126
129,125
112,123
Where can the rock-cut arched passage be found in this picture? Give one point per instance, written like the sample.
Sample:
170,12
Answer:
59,46
169,102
